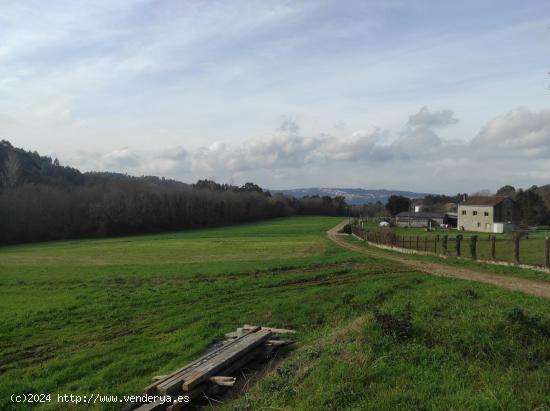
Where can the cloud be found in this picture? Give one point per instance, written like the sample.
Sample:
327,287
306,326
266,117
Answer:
120,159
519,132
418,142
359,146
288,150
171,161
368,156
427,118
289,127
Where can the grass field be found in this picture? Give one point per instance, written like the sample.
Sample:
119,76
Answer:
106,315
531,246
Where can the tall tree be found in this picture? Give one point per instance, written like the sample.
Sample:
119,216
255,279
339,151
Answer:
507,190
397,204
531,204
10,171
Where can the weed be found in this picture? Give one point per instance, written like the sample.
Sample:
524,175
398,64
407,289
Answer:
397,325
472,294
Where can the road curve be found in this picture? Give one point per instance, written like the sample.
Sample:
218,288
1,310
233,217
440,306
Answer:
527,286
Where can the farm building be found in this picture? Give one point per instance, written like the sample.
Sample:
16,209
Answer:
425,219
490,214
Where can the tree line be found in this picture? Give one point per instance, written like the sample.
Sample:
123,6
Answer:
43,200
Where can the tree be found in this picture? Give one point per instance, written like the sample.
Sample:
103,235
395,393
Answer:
507,190
11,171
397,204
251,187
532,207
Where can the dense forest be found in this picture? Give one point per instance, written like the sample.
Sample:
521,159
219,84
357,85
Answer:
43,200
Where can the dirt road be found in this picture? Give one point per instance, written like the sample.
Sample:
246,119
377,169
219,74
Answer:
533,287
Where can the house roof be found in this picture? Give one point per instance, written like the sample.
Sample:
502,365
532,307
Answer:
407,214
483,200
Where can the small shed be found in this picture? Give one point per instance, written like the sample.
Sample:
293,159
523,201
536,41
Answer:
424,219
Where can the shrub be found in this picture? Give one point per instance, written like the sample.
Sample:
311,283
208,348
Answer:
385,235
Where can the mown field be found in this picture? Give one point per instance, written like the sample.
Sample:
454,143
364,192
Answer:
106,315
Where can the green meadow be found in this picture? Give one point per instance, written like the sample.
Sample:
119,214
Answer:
104,316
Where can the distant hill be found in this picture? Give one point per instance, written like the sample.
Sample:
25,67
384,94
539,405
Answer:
355,196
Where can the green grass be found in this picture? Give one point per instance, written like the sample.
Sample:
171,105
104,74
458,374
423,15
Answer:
509,270
106,315
531,247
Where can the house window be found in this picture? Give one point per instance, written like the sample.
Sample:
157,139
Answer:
486,213
478,224
474,212
463,212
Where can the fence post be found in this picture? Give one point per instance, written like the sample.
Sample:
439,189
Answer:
516,239
547,252
445,244
458,240
436,240
493,247
473,247
417,243
426,244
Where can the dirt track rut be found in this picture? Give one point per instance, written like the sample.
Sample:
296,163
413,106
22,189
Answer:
533,287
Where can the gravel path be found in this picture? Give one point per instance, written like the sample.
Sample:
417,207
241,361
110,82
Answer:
533,287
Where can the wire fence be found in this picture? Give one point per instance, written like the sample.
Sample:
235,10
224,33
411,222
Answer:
518,249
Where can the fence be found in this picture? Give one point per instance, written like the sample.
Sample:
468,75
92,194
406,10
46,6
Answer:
517,250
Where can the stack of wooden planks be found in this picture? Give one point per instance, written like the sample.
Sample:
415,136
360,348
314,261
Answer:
213,369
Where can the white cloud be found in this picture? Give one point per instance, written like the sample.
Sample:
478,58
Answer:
123,159
520,132
416,143
427,118
367,157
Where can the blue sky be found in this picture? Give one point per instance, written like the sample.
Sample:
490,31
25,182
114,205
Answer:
432,96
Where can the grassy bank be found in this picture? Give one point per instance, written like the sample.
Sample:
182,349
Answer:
106,315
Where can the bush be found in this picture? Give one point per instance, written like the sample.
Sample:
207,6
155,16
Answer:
384,235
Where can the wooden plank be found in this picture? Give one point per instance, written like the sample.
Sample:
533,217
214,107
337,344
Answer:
279,330
152,388
241,362
223,381
272,329
207,387
158,377
173,383
223,360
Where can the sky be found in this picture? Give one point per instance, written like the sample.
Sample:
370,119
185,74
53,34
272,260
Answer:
430,96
